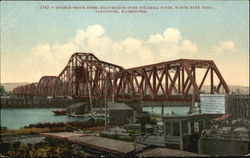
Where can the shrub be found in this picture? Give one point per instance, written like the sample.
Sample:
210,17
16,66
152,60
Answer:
152,121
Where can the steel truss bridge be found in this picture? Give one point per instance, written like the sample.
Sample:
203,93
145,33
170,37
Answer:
85,75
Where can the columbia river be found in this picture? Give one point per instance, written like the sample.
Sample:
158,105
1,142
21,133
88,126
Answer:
17,118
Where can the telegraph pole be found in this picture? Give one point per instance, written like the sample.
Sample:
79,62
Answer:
193,102
90,98
105,103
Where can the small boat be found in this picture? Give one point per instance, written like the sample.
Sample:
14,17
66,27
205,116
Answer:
98,115
86,115
79,115
59,112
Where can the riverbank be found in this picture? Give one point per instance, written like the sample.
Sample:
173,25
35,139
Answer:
27,142
11,102
91,124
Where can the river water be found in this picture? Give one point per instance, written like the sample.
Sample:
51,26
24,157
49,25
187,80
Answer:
17,118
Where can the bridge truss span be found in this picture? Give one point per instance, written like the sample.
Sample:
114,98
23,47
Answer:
173,80
85,75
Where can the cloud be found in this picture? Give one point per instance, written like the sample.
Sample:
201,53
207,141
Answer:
232,62
225,46
169,44
47,59
172,35
189,46
128,52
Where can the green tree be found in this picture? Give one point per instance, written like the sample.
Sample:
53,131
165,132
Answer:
2,90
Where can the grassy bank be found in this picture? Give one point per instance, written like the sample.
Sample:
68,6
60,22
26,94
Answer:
49,147
54,127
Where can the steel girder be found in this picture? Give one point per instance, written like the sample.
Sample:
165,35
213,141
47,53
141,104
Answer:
86,75
83,75
167,81
28,89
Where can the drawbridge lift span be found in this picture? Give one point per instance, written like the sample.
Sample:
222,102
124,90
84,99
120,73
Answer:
86,75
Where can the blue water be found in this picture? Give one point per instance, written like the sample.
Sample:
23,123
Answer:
17,118
167,110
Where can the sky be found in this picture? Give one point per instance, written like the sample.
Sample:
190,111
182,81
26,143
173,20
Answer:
36,42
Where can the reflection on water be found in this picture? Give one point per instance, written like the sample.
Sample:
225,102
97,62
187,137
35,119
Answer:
17,118
167,110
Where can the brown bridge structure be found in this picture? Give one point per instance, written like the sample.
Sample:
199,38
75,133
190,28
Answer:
86,76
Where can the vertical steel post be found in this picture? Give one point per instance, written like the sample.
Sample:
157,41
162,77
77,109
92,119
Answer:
179,80
183,80
212,82
166,81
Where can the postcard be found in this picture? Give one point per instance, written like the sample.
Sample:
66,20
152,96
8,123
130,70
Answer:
124,78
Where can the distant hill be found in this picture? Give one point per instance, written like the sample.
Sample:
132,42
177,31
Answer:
11,86
233,88
240,89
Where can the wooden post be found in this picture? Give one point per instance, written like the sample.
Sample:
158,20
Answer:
162,110
204,124
181,141
193,102
189,128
